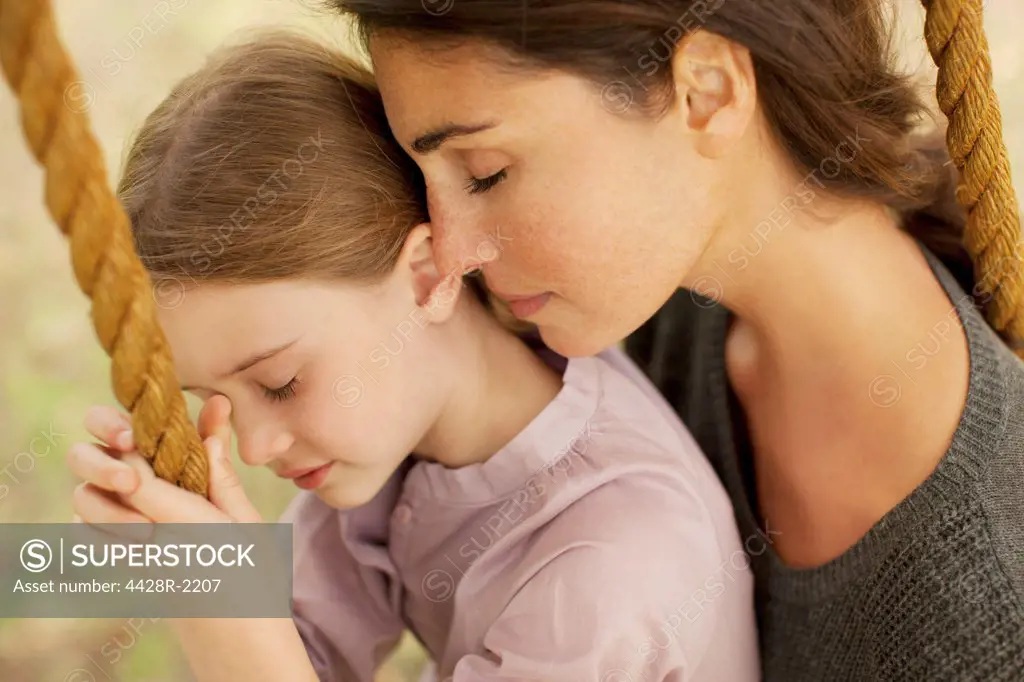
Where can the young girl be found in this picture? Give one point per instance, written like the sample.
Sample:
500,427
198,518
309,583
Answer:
524,537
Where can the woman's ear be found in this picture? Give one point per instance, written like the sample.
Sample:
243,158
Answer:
716,90
435,293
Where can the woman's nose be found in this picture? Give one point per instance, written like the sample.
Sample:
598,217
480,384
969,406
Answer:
462,242
466,248
261,445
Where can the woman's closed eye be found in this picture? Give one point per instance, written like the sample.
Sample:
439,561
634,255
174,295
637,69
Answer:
481,185
281,393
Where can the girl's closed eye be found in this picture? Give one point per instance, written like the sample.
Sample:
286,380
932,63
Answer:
481,185
281,393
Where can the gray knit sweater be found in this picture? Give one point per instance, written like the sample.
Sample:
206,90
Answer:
935,591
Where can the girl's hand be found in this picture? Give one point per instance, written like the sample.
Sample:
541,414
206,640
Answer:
120,487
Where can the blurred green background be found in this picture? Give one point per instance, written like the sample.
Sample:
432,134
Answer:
129,53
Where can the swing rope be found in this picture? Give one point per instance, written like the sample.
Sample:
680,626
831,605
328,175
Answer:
110,273
956,39
102,254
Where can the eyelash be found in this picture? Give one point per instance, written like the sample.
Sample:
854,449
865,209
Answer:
283,393
481,185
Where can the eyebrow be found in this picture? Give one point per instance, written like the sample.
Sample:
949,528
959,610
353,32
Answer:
252,360
432,141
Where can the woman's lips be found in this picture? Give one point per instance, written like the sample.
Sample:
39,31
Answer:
526,306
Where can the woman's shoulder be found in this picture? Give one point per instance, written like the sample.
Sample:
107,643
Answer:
985,460
960,533
996,448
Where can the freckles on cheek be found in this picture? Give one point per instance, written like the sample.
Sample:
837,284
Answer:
581,261
545,236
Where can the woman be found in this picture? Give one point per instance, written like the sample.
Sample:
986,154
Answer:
828,354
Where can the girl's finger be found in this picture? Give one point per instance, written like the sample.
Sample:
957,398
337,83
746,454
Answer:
165,502
225,488
94,506
215,420
110,426
93,464
108,514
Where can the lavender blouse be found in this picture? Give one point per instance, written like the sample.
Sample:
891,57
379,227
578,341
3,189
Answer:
597,546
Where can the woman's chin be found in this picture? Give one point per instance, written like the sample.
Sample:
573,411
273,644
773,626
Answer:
576,343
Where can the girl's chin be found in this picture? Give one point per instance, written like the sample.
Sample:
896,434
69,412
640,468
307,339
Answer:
340,497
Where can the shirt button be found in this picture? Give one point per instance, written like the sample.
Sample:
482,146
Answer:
403,514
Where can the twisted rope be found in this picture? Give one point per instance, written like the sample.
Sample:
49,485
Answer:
956,39
105,264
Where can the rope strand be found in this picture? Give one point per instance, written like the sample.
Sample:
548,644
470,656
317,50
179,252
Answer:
105,264
956,39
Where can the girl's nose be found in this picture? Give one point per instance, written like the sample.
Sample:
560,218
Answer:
259,446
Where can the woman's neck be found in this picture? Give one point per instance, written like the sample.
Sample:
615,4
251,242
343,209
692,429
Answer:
847,286
851,366
499,385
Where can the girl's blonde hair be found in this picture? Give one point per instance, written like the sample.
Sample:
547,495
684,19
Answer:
272,161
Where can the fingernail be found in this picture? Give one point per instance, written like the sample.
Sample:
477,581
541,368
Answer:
124,439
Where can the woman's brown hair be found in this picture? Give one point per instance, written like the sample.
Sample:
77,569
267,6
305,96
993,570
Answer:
823,70
272,161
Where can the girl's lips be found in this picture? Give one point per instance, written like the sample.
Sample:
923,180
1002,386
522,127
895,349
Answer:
524,307
309,479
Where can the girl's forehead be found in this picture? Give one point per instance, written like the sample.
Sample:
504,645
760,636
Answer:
215,328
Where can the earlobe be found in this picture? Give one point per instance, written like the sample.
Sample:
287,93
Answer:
444,297
435,295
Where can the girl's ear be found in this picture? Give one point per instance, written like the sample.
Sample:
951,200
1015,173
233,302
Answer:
436,293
